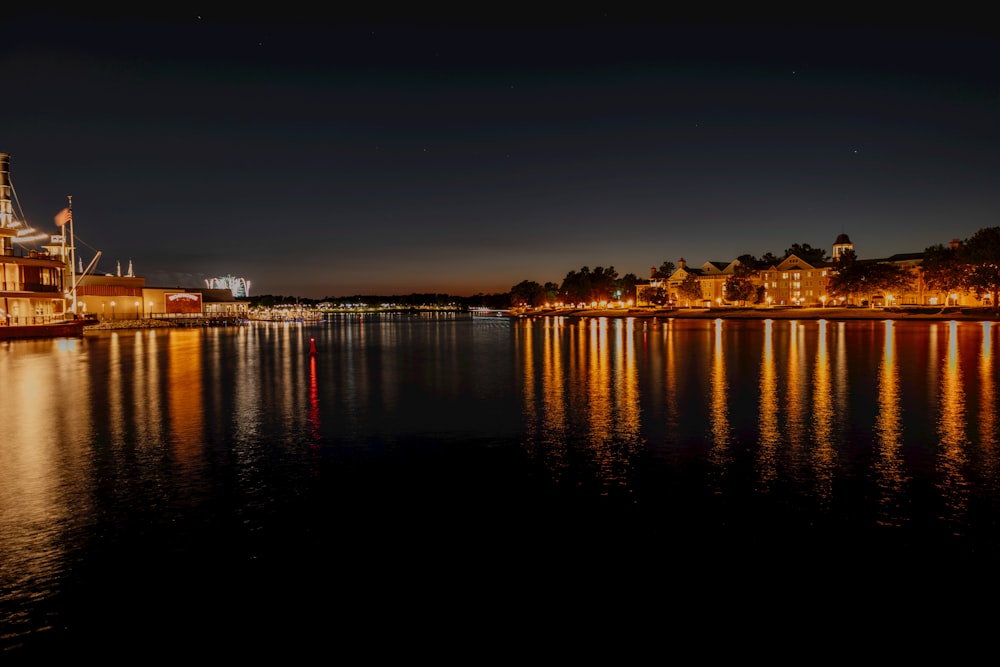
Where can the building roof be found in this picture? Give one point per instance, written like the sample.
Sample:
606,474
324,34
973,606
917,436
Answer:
209,295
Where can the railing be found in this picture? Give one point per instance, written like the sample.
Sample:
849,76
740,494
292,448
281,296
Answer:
40,287
28,287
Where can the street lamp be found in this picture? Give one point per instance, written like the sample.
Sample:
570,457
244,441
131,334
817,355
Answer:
137,309
112,311
823,300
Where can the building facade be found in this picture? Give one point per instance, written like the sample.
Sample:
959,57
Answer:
793,281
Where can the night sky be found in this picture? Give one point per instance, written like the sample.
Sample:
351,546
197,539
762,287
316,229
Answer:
319,157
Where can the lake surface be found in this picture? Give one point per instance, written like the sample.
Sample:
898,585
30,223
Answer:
174,486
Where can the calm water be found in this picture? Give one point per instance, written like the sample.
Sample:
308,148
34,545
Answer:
225,484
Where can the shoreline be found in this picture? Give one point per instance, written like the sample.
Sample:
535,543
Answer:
792,313
725,313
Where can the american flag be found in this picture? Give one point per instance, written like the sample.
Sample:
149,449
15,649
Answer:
64,216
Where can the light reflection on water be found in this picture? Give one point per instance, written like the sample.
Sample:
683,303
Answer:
234,444
889,465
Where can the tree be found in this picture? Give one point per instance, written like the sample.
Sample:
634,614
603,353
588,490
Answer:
739,287
847,277
942,270
625,287
527,293
886,279
981,256
807,253
551,292
575,286
602,283
869,279
665,271
657,296
586,285
690,289
769,259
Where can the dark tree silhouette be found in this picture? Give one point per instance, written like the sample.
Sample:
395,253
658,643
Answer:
689,289
665,271
807,253
981,255
942,270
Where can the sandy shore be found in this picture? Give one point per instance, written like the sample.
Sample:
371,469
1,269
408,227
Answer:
946,314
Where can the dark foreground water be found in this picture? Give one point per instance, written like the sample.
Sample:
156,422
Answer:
224,489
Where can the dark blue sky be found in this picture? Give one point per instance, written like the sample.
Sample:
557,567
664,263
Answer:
363,156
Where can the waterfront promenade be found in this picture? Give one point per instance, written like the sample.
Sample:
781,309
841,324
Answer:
160,323
791,313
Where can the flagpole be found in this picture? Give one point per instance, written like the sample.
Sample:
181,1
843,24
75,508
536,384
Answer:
72,251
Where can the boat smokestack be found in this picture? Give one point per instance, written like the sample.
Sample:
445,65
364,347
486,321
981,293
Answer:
6,212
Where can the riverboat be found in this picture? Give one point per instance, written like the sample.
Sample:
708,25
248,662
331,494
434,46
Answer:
35,270
62,329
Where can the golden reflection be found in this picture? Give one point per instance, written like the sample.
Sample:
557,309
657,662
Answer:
952,457
673,410
824,453
769,439
988,395
45,462
627,384
554,396
584,383
600,410
987,421
796,384
116,391
841,375
889,465
525,335
185,395
719,455
545,408
146,403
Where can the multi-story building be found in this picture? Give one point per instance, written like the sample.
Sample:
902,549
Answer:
793,281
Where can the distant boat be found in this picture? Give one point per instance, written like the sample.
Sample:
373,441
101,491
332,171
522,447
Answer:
483,311
35,273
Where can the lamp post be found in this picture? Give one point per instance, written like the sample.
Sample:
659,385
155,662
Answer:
823,300
112,311
137,316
